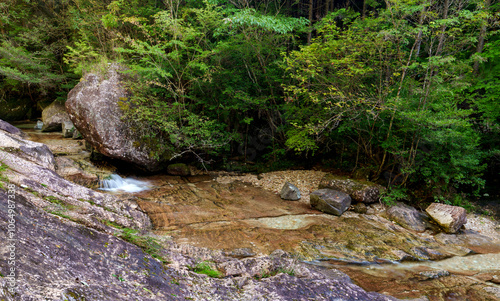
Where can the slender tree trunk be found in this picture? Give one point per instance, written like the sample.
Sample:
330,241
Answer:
311,6
481,38
443,28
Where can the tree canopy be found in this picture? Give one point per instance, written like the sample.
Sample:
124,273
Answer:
406,92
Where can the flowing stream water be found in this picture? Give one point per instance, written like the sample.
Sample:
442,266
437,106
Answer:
116,183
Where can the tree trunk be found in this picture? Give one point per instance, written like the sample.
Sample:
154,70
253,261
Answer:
309,36
481,38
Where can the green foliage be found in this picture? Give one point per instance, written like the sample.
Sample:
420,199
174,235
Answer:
207,269
391,196
3,178
146,243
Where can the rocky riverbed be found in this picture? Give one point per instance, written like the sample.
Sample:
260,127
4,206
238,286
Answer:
235,224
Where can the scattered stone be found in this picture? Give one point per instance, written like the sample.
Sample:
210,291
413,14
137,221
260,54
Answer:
360,208
179,169
94,108
408,217
68,129
360,191
330,201
450,218
290,192
53,117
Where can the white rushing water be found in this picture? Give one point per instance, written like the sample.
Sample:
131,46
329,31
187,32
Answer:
117,183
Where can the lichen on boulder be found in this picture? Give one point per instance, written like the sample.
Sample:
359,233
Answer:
359,191
94,108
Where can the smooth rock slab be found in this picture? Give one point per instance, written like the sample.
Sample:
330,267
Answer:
408,217
290,192
450,218
330,201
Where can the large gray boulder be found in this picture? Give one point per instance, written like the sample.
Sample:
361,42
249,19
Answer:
53,117
330,201
450,218
93,106
408,217
360,191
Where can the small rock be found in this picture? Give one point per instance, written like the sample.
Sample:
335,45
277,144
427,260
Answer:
450,218
290,192
330,201
360,208
39,125
67,129
178,169
408,217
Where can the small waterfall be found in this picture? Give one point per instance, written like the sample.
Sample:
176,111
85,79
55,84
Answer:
116,183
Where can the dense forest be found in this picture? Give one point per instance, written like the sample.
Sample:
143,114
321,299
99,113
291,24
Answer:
401,91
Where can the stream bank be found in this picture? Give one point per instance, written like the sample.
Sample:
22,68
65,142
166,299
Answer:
226,217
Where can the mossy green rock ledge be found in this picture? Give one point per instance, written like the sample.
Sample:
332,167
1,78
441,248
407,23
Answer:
359,191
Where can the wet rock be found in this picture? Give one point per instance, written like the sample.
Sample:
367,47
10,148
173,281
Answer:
53,117
94,108
359,191
290,192
67,129
330,201
57,258
70,170
450,218
408,217
178,169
